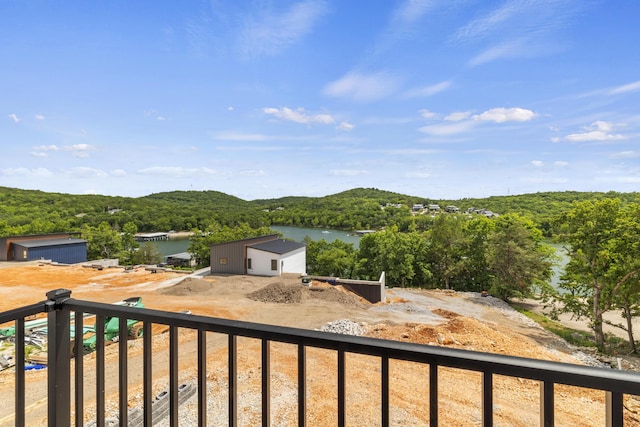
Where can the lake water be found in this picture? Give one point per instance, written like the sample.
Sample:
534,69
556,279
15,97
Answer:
174,246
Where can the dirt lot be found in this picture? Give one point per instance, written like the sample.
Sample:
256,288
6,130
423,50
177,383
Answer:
459,320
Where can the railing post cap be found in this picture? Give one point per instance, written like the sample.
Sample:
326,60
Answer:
59,294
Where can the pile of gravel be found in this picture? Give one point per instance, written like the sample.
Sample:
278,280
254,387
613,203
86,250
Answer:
344,327
278,292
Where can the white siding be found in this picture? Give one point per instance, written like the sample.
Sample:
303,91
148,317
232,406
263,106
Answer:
291,262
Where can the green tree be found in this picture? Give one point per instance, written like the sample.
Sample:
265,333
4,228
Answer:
336,259
129,243
517,258
445,249
589,230
102,241
400,255
147,254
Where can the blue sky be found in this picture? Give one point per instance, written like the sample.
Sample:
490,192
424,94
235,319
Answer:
442,99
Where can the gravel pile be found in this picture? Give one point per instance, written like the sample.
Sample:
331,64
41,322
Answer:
504,308
344,327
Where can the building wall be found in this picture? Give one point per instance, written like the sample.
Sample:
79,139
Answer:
65,254
291,262
230,257
6,254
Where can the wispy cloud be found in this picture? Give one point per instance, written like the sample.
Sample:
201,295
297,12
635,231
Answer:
14,117
597,131
347,172
268,32
627,88
508,49
177,171
39,117
464,121
426,91
85,172
28,172
362,87
76,150
299,116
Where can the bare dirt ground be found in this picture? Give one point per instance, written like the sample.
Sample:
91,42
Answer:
457,320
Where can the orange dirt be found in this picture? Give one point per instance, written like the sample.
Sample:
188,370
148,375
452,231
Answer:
462,323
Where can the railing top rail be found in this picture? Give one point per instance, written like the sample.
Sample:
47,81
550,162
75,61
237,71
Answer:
22,312
556,372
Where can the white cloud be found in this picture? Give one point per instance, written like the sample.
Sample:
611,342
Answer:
345,126
268,32
14,118
417,174
39,117
239,136
505,50
560,163
36,172
630,87
258,172
52,147
448,129
118,172
537,163
177,171
86,172
427,91
501,115
426,114
598,131
457,116
362,88
347,172
625,155
299,116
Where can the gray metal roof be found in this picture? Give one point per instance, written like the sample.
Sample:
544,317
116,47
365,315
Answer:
278,246
48,242
181,255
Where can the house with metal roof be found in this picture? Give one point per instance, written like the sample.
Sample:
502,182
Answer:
264,256
65,250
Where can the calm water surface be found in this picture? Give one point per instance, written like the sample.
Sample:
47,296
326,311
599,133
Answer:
169,247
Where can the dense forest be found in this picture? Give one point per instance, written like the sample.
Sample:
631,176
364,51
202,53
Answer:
35,212
505,253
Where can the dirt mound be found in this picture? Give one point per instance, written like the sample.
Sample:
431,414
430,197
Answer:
188,286
291,293
279,293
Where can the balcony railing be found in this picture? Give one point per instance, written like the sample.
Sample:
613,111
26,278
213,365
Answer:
66,400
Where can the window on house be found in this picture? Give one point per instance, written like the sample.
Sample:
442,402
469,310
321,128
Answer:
223,261
249,263
274,264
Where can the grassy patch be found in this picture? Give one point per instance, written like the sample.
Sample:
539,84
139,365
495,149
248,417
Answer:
572,336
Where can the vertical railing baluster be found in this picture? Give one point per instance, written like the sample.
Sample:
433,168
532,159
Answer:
302,385
78,352
147,351
100,374
123,374
342,400
614,411
20,385
385,391
433,395
266,383
487,399
547,412
58,359
233,386
173,376
202,377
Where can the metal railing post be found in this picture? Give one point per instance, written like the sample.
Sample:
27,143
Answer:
58,358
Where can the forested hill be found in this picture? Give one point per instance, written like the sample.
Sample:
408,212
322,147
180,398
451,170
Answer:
33,212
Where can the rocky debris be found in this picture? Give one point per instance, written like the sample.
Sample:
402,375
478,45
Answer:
188,286
344,327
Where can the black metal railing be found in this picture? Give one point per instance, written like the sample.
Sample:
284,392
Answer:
64,411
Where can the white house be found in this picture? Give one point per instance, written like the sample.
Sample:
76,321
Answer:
276,257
